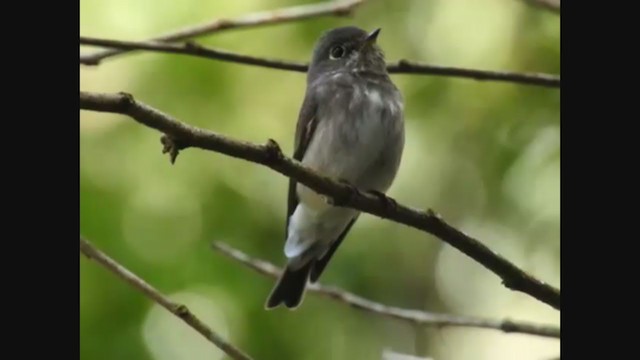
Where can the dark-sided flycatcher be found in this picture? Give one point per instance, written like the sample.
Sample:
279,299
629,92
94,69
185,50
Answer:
350,128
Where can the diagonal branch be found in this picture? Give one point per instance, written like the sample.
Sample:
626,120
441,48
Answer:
181,135
416,317
179,310
294,13
401,67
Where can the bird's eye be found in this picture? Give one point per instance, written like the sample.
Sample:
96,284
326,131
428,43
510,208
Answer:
337,52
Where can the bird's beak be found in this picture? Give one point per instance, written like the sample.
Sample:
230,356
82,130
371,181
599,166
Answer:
371,38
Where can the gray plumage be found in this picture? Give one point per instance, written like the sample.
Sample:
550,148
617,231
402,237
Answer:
350,128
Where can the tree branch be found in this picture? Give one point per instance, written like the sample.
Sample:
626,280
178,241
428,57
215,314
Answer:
294,13
181,136
193,49
179,310
400,67
416,317
539,79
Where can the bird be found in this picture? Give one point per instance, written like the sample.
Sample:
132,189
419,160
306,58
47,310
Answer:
350,128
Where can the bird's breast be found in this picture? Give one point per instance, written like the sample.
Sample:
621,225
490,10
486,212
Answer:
356,124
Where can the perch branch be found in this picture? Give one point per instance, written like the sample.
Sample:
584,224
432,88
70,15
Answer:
400,67
179,310
180,136
294,13
416,317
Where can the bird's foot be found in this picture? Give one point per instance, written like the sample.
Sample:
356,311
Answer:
345,197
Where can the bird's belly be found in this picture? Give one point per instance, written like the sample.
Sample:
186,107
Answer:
345,150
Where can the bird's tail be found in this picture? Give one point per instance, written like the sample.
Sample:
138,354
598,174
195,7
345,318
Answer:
290,287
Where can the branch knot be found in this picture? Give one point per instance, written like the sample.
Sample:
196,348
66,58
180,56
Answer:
273,150
126,100
182,310
192,45
432,214
509,326
172,146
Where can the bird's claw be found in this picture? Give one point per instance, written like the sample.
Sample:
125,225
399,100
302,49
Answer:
347,196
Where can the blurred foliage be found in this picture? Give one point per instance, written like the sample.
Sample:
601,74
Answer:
485,155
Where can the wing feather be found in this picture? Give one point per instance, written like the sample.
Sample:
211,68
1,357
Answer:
305,128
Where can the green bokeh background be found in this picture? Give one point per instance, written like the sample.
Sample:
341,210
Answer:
485,155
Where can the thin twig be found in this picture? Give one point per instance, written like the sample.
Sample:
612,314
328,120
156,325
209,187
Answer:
294,13
416,317
193,49
400,67
181,136
551,5
410,67
179,310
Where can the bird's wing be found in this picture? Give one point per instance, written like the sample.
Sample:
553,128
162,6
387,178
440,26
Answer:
320,264
305,128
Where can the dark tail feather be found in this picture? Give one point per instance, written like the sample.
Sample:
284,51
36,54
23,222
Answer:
290,287
321,263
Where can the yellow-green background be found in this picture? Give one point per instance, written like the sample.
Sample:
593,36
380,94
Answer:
485,155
